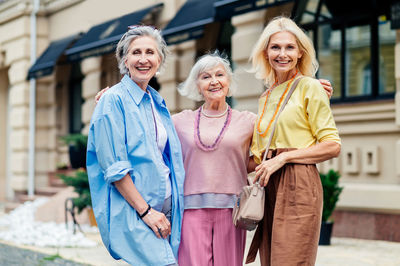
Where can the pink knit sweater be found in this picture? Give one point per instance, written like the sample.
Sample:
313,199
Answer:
223,170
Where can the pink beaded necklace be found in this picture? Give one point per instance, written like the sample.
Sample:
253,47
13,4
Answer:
197,138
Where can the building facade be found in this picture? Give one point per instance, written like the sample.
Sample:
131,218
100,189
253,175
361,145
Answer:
74,40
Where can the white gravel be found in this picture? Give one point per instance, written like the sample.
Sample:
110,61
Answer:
20,227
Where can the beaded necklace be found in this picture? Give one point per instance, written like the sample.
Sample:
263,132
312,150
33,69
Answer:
197,138
214,116
259,132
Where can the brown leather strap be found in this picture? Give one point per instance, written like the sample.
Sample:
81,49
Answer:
294,85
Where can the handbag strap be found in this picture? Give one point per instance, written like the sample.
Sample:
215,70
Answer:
294,85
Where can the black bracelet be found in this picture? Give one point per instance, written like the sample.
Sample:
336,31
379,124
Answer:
145,212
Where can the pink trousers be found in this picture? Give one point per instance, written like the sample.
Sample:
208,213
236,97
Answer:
209,238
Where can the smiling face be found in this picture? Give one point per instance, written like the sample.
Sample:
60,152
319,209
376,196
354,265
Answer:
283,52
142,60
213,84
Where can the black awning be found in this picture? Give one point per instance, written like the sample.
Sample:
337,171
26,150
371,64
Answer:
227,8
189,22
103,38
343,11
44,65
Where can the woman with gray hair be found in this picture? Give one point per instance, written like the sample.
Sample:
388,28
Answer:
134,159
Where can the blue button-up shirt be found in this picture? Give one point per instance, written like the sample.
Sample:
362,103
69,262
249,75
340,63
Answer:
122,140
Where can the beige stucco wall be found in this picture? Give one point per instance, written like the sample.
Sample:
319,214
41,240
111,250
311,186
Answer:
248,28
368,160
89,13
15,42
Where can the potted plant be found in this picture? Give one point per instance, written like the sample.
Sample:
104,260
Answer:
77,149
332,190
80,182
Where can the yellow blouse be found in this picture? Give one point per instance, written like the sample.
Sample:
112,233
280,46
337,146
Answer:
306,119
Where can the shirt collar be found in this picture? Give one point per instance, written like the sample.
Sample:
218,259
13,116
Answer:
137,93
133,89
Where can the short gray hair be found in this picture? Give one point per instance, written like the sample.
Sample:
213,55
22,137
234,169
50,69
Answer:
134,33
189,87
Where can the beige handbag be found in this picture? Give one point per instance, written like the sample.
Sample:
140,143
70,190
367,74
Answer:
249,207
248,210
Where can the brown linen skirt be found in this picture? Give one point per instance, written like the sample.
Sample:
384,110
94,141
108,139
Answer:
289,232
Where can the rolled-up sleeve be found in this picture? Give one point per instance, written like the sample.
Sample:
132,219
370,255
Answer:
320,116
110,140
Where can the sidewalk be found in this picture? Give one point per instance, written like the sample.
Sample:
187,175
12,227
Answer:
96,256
352,252
342,252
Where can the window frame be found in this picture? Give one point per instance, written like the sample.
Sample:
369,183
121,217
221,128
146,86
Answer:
346,22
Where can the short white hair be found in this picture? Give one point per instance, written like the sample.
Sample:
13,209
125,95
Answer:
189,87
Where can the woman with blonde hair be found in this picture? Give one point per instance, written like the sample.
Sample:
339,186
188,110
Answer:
305,134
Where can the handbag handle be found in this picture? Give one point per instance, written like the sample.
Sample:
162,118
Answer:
294,85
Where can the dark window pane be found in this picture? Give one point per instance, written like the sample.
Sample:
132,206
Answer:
75,99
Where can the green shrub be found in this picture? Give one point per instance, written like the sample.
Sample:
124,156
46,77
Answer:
330,185
78,140
80,182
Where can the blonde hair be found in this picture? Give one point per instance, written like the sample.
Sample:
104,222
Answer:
189,87
307,64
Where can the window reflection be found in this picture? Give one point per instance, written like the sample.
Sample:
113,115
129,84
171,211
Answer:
387,41
358,61
329,57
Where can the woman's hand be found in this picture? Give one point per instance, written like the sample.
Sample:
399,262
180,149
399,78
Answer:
154,219
158,223
99,94
267,168
326,84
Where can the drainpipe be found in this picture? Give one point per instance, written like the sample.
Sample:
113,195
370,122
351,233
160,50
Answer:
32,103
9,191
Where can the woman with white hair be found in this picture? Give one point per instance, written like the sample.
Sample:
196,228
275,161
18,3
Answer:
215,143
305,134
134,159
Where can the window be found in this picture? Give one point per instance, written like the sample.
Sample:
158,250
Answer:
355,52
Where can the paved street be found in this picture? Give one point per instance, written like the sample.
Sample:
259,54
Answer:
14,256
353,252
342,252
